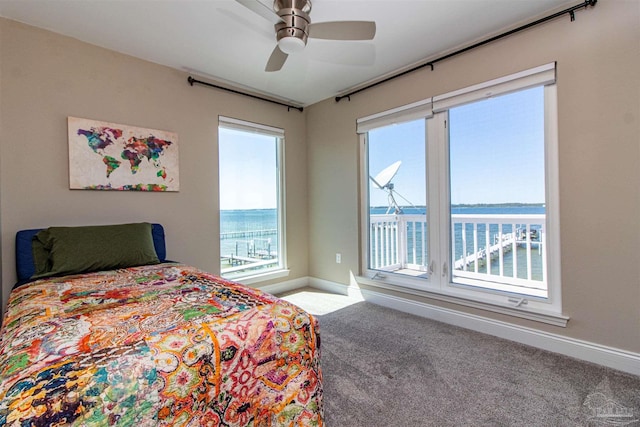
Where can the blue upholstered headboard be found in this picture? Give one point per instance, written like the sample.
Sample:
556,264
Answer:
24,255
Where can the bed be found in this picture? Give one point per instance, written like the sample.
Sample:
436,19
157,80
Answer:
155,344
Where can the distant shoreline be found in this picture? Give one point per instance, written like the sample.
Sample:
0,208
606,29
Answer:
477,205
494,205
461,205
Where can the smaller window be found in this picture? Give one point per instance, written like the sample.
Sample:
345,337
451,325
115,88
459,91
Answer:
251,217
397,216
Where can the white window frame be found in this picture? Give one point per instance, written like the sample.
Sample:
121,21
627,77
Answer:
438,284
280,270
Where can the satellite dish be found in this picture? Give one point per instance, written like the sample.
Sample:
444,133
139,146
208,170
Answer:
383,182
383,179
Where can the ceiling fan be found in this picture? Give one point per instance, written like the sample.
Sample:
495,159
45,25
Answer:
293,26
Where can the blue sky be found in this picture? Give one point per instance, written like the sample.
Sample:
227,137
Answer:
497,156
496,152
247,170
404,142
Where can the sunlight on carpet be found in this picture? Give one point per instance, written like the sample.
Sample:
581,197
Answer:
318,302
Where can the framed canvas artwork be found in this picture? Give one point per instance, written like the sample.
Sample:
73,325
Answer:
109,156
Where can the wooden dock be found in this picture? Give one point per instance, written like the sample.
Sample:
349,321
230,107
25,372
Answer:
505,244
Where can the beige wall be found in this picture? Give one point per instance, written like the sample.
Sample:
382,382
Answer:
598,59
46,77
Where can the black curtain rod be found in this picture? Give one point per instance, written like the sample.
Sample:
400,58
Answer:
191,81
570,11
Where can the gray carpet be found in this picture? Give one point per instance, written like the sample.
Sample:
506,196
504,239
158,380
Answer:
385,368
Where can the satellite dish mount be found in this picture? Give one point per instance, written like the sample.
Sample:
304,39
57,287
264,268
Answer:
383,182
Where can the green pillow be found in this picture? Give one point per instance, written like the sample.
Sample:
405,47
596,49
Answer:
75,250
41,260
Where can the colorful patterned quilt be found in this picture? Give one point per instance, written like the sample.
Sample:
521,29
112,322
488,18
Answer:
156,345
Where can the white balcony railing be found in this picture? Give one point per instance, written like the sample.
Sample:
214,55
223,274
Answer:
507,249
398,242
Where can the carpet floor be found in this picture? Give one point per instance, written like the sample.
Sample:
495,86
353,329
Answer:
385,368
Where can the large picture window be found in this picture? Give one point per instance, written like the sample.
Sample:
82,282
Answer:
462,193
251,216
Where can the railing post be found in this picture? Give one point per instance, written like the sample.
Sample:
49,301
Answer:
464,246
475,247
543,243
402,241
425,256
514,248
487,247
375,250
501,248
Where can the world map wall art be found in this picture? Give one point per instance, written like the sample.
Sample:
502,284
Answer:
108,156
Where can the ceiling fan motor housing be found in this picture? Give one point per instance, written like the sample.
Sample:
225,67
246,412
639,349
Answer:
295,19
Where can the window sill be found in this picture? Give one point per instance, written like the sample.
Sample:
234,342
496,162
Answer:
521,312
262,277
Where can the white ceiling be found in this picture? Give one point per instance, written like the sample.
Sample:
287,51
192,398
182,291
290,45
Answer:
223,40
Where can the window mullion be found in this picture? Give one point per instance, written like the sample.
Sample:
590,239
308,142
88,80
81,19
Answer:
551,246
444,207
437,199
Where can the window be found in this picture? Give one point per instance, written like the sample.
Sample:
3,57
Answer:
461,193
497,192
251,213
397,192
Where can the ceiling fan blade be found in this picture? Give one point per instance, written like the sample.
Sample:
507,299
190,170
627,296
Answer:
276,60
261,9
342,30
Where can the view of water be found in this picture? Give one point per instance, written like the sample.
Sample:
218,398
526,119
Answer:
460,249
242,230
515,209
266,219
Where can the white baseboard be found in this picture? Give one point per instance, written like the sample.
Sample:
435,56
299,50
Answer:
286,286
595,353
326,285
